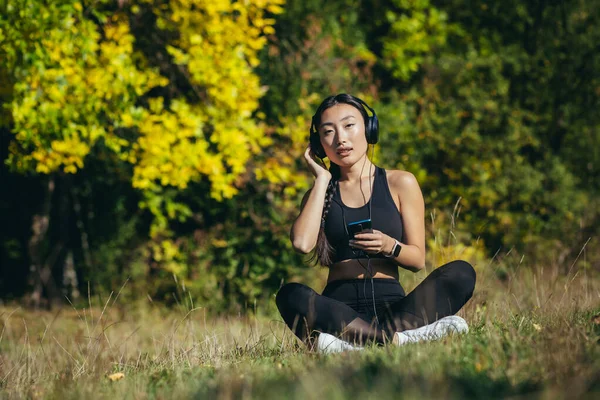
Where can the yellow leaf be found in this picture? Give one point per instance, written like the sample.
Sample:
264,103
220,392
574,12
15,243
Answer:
117,376
219,243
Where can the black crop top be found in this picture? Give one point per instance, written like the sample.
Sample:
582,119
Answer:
385,218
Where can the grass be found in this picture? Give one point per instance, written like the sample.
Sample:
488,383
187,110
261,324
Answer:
533,335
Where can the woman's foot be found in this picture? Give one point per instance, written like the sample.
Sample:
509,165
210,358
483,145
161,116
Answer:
327,344
436,330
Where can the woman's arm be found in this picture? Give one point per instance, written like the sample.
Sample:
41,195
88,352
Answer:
412,256
305,230
404,185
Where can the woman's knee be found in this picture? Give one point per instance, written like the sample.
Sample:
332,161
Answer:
466,269
294,303
463,273
290,294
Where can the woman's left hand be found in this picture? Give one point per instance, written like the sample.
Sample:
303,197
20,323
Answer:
372,242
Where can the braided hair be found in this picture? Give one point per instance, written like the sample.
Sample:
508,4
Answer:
324,252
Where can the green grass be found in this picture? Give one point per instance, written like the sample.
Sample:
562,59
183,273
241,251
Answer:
532,335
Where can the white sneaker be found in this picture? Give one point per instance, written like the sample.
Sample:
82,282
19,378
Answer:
433,331
328,344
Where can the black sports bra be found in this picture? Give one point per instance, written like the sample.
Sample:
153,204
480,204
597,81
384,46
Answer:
385,218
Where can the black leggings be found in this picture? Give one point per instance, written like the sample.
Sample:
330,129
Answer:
346,307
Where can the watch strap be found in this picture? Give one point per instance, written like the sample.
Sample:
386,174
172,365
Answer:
395,250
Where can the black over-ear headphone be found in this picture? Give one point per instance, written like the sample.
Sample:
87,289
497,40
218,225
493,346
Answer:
371,131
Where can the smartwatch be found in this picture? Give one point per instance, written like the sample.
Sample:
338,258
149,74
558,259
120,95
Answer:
395,250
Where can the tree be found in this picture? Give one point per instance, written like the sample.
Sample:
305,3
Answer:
77,82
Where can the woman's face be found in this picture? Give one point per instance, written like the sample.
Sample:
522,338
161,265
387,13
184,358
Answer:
342,133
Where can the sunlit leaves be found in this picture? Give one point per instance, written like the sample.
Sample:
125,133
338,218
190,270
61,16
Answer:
72,90
78,79
416,30
217,48
79,82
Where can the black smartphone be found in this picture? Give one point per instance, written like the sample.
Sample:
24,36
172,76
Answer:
359,226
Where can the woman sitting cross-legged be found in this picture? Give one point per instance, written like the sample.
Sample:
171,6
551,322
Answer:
362,222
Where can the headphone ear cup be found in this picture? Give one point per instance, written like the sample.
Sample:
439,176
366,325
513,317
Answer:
315,143
371,124
369,130
315,146
373,130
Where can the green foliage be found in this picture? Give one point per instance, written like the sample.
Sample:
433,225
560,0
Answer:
319,48
82,87
175,136
485,123
72,90
416,29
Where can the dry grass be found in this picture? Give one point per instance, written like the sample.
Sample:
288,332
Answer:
532,333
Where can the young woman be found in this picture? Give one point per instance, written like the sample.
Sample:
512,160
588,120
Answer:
363,300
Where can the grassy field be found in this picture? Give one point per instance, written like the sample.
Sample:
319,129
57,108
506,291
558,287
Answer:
533,335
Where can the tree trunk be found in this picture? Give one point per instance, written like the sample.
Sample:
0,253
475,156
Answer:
40,269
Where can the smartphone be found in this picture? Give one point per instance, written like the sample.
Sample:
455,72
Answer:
359,226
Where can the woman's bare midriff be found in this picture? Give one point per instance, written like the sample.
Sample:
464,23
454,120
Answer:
352,269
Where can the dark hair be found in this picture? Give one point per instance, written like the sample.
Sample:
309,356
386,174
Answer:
324,252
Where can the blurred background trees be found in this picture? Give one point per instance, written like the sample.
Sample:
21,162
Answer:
159,143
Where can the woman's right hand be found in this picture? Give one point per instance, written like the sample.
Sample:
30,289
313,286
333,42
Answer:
318,169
